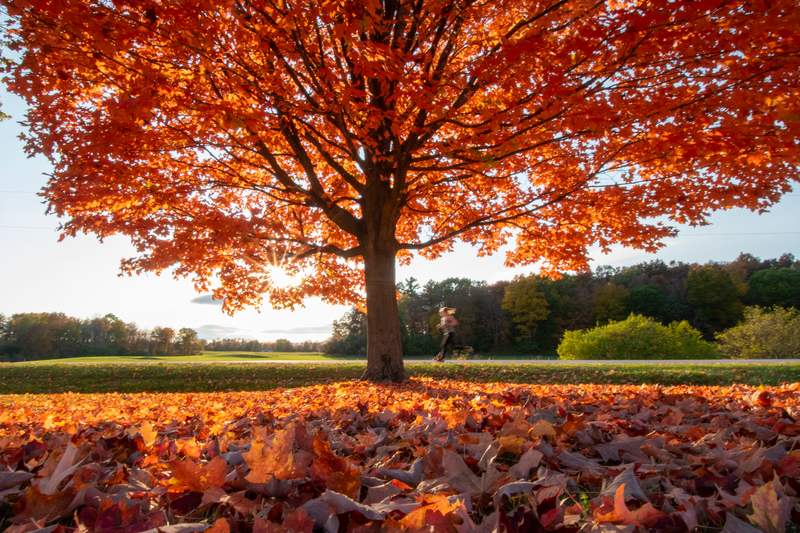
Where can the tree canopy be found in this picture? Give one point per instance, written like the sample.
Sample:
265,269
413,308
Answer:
331,139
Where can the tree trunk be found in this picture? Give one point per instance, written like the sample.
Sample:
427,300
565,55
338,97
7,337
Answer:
384,348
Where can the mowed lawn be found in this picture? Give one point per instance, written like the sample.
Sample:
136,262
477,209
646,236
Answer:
235,356
205,357
95,376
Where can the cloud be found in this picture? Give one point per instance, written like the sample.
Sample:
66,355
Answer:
214,331
206,299
313,329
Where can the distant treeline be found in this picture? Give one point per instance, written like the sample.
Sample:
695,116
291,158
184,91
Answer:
530,314
27,336
245,345
33,336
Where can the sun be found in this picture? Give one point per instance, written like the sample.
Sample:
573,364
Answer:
280,279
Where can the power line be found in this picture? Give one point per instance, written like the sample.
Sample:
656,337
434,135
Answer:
718,234
27,227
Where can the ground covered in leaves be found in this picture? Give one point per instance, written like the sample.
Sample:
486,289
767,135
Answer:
427,455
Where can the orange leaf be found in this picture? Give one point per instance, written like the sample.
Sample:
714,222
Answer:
275,459
326,463
198,478
646,515
435,511
220,526
347,483
542,429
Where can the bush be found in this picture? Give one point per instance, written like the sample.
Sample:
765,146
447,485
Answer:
638,337
764,334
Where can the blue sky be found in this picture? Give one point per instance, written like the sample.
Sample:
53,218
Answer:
79,276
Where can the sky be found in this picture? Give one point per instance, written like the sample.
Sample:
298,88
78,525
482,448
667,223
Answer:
80,276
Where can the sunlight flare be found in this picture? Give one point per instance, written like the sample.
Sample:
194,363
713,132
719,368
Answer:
280,279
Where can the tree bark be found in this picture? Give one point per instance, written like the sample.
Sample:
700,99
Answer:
384,347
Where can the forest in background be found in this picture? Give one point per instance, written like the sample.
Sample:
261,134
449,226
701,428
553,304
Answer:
26,336
33,336
529,314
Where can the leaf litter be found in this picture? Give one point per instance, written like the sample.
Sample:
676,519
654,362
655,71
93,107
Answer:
426,455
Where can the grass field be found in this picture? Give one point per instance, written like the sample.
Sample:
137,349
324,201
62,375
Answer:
254,356
204,357
91,377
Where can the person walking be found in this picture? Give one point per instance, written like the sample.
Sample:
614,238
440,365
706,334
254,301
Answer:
448,325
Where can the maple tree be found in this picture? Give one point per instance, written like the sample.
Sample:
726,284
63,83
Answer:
332,139
424,456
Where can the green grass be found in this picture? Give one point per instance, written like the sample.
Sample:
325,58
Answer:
56,377
205,356
235,356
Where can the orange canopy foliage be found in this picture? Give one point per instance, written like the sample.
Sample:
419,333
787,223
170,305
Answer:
222,136
434,456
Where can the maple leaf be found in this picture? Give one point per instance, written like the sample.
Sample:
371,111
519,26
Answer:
146,430
462,479
543,429
220,526
611,451
382,492
297,521
65,468
435,511
118,517
572,425
527,462
646,515
334,471
34,505
583,463
512,488
734,525
273,459
27,527
341,504
13,479
347,483
631,490
769,512
189,476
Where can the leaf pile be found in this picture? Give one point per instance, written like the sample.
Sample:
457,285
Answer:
422,456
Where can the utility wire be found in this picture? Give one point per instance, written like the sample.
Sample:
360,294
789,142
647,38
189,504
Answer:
717,234
27,227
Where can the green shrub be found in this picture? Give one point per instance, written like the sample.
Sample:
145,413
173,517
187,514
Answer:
764,334
638,337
